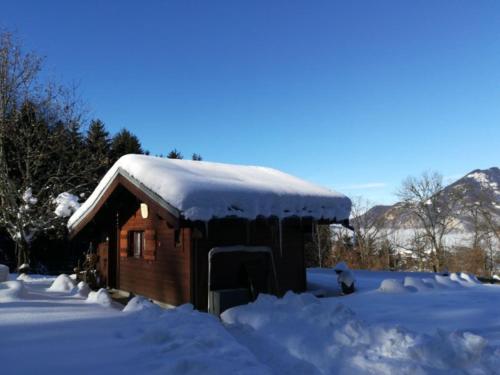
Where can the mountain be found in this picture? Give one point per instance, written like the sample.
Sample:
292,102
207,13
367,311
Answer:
480,185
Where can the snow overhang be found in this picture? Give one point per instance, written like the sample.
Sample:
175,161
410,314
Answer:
202,191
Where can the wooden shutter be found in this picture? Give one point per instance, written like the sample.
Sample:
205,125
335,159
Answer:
123,243
150,244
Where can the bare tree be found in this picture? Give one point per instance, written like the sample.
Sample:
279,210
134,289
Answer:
320,247
414,250
342,246
433,211
485,229
33,166
17,78
368,231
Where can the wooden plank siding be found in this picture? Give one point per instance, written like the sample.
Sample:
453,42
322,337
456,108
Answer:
289,259
162,274
102,265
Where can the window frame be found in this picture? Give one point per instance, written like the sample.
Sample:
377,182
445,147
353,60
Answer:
133,250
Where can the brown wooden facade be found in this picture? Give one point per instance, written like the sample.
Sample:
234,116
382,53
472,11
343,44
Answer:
173,266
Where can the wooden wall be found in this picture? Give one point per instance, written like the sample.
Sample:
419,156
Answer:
163,273
289,259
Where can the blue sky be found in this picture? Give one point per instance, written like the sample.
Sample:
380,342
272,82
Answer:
353,95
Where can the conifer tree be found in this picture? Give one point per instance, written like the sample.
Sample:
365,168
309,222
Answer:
175,154
98,149
123,143
196,157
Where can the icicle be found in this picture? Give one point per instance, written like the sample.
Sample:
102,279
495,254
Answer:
280,229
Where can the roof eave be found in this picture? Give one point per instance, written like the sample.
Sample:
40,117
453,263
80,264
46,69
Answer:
74,228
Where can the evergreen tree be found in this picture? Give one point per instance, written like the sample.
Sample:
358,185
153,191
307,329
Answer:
123,143
196,157
174,154
71,156
98,149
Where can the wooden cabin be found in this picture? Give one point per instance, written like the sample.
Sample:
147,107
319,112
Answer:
214,235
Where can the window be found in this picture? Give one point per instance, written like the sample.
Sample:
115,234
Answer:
136,244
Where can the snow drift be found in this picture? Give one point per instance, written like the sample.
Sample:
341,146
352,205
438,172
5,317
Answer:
188,341
300,334
12,291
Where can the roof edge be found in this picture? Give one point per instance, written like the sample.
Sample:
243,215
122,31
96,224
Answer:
124,174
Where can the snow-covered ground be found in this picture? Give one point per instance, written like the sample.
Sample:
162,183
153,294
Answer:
466,306
418,325
52,332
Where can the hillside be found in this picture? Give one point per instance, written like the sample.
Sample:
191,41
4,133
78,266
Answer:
478,185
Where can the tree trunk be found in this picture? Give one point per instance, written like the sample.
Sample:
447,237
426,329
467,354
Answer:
22,252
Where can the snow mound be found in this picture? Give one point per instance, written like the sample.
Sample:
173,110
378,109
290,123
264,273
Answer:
300,334
12,291
66,204
416,283
62,283
394,286
469,278
446,282
432,283
460,280
200,190
4,273
100,297
139,303
82,289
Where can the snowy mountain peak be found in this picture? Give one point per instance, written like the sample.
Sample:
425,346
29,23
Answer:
488,178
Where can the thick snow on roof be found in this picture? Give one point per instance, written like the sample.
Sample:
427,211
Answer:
202,190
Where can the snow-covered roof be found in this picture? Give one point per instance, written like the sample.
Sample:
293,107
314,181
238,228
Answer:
200,190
